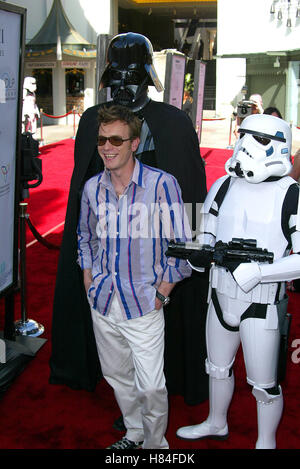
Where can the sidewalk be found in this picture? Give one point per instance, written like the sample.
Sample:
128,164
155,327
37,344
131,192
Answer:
215,133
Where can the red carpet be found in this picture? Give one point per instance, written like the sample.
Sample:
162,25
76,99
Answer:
214,159
36,415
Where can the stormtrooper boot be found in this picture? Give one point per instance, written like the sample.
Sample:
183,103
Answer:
215,426
268,417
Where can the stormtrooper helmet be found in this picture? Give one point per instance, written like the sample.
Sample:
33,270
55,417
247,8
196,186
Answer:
30,84
263,149
130,70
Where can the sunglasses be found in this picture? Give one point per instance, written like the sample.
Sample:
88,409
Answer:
114,140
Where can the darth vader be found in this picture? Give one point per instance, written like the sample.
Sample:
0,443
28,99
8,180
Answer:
169,142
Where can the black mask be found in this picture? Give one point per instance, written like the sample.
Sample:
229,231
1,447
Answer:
130,71
129,88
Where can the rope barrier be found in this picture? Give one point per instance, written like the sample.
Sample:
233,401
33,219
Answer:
214,119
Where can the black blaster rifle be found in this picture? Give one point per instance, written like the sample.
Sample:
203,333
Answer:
228,255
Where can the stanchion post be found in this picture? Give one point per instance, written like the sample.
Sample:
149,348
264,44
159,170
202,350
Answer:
74,127
25,326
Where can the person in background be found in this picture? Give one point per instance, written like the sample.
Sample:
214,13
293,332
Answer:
169,142
256,108
295,173
256,204
30,110
129,213
273,111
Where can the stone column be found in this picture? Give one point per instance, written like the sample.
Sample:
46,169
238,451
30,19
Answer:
89,86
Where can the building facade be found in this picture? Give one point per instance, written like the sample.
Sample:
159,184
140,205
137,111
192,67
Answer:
61,43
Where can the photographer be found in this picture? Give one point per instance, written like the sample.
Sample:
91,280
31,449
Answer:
245,108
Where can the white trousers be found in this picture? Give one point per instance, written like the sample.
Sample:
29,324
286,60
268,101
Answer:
131,354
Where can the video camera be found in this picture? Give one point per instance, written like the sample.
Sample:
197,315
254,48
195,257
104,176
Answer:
245,108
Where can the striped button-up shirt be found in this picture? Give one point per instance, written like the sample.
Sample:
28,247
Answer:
123,240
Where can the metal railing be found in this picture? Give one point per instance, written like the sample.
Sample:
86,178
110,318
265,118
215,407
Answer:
74,111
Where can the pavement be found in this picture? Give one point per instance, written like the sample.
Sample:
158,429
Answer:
216,133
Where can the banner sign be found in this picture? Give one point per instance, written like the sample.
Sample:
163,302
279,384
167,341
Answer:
38,65
75,64
177,80
174,79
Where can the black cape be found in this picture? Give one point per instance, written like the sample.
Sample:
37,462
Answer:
74,359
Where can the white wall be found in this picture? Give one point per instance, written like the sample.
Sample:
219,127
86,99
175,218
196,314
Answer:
231,76
89,18
36,14
246,27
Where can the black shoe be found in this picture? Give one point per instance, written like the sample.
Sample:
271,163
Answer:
125,444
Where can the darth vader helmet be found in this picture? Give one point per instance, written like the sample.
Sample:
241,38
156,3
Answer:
263,149
129,70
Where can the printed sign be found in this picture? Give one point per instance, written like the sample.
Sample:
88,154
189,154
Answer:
10,32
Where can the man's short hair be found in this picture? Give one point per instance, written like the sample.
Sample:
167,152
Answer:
109,114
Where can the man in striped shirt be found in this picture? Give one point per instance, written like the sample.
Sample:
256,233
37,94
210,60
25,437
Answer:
129,213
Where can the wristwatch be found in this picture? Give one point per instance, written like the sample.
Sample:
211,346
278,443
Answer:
164,299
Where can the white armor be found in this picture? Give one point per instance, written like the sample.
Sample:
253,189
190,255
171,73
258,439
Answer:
244,305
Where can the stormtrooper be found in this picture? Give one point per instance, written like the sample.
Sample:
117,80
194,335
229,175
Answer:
30,110
247,302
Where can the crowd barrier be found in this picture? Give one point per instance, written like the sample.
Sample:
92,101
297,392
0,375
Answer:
75,112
